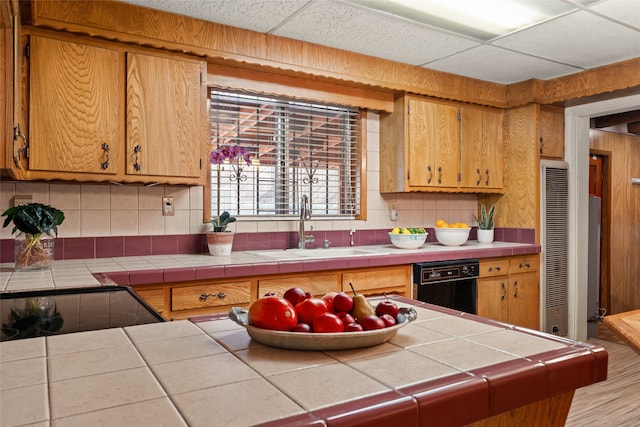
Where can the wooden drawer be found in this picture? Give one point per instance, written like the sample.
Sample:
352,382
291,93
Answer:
317,285
494,267
524,264
153,297
377,279
231,293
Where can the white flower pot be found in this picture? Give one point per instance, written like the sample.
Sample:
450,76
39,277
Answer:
220,243
485,236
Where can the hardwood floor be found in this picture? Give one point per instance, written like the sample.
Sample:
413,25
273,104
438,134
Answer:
616,401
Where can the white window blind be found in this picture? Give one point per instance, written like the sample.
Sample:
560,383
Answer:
295,149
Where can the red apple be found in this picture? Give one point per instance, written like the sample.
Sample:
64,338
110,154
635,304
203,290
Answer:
328,299
302,327
328,322
372,322
345,317
342,302
308,309
387,307
388,320
353,327
294,295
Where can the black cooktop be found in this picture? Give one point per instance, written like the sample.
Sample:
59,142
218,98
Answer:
61,311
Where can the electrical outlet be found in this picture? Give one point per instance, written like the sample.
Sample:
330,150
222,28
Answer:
167,206
21,200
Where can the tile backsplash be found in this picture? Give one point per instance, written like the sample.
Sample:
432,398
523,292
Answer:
107,210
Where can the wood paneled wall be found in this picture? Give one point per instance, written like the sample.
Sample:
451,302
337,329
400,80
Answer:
624,258
519,206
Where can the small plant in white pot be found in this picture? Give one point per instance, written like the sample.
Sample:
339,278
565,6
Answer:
485,224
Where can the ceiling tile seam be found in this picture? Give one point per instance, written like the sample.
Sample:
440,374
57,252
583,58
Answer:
290,17
519,52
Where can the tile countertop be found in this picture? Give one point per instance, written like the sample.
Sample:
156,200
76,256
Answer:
176,268
208,371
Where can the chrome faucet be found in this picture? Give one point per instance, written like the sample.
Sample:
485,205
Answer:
303,238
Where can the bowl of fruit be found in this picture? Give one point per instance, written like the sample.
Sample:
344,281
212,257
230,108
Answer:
455,234
408,238
335,321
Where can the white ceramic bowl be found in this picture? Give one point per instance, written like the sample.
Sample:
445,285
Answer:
452,236
408,241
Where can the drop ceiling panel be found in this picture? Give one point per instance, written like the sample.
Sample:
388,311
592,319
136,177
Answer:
579,39
355,29
625,11
500,65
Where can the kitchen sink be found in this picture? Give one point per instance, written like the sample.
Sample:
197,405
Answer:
286,254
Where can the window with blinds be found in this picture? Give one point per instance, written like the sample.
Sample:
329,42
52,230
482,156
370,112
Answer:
294,149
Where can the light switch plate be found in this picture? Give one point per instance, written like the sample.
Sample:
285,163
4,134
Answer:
167,206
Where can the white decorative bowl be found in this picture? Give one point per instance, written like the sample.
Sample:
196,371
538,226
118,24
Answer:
452,236
408,241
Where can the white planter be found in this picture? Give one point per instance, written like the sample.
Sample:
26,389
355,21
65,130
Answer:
485,236
220,244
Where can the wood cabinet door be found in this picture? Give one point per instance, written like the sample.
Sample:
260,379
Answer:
317,285
481,135
74,102
433,138
472,169
551,133
164,122
493,301
524,300
492,142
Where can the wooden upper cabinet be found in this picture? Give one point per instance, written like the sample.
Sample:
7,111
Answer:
433,148
481,139
551,132
164,116
431,145
74,107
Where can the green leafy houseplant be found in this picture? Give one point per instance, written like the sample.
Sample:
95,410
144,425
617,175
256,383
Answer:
219,224
35,220
486,219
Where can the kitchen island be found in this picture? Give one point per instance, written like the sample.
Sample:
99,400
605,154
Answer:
445,368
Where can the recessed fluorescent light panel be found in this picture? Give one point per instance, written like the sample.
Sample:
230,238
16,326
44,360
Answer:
480,19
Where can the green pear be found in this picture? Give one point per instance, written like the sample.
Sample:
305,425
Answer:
361,306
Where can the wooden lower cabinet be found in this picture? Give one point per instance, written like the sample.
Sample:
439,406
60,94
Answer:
176,301
371,282
509,290
316,284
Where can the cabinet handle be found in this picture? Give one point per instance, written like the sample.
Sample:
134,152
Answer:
515,285
524,265
487,181
440,175
504,292
497,268
220,295
18,134
541,145
104,165
136,165
479,177
430,174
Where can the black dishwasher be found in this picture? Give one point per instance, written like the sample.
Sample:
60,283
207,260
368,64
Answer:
451,284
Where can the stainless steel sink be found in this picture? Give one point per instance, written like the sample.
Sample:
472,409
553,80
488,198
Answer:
287,254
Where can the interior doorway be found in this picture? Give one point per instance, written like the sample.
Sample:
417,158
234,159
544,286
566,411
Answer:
599,298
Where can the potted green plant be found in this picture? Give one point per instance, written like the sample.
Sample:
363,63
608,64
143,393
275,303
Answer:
219,239
35,226
485,224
